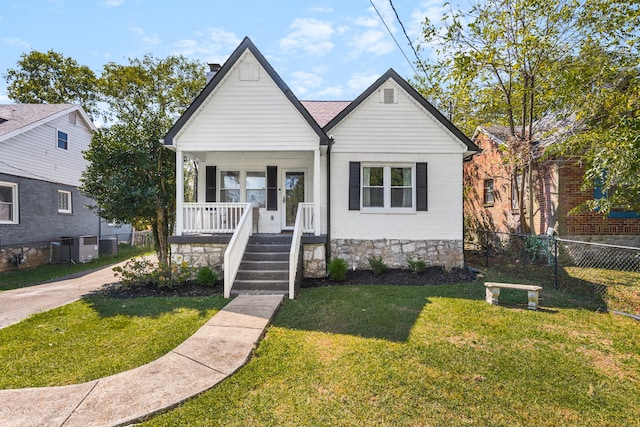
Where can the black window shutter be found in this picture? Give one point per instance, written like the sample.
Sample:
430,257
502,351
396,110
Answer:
272,188
354,186
211,184
421,186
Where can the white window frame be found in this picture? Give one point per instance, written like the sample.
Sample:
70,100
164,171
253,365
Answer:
242,176
386,208
488,190
243,185
14,203
58,132
221,187
69,202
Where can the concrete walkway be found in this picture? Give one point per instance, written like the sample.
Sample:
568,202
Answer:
215,351
18,304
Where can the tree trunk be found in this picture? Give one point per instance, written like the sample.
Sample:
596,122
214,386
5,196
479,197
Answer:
162,232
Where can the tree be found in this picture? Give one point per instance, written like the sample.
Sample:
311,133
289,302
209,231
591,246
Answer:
510,62
52,78
495,59
131,175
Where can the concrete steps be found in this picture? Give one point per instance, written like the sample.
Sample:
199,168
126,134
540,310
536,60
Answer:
264,269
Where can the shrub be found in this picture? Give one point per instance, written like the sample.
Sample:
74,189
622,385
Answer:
206,276
416,266
377,265
136,271
142,271
337,268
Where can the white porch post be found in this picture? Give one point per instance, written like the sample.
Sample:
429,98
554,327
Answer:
179,191
316,191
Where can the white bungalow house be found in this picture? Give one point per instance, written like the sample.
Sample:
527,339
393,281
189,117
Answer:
284,185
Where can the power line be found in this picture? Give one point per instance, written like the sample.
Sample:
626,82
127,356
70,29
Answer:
415,52
393,37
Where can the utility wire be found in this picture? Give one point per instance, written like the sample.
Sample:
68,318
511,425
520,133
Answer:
393,37
415,52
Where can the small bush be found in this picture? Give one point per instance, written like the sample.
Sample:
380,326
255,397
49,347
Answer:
416,266
136,271
377,265
337,268
142,272
206,277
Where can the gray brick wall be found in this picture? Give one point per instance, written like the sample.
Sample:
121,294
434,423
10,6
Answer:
39,217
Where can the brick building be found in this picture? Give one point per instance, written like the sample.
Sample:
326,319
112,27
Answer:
491,201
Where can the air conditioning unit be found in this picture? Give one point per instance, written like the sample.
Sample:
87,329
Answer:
109,246
74,249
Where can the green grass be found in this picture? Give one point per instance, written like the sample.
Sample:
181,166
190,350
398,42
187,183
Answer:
622,288
433,355
32,276
97,337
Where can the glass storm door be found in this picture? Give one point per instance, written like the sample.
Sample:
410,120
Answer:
293,194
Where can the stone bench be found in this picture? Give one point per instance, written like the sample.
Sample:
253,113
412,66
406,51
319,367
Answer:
493,292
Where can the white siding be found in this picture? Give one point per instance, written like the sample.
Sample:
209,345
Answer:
443,220
258,161
247,115
400,132
404,126
35,153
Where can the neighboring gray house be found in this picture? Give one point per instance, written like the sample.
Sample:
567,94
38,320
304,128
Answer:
41,163
377,176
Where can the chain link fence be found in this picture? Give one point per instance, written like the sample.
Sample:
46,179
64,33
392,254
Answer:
610,271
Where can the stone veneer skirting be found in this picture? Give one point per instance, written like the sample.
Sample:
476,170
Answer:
201,254
30,257
444,253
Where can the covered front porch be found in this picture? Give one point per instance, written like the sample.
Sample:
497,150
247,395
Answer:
228,197
217,186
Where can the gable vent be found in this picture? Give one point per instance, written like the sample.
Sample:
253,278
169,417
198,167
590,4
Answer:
388,96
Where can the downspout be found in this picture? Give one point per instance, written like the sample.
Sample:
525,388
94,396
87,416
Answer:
328,245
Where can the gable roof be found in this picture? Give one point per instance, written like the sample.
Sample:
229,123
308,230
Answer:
18,118
246,44
391,74
549,130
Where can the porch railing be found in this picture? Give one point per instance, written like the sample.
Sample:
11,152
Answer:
306,210
212,217
235,250
296,246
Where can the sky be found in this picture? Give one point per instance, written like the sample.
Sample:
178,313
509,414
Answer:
322,49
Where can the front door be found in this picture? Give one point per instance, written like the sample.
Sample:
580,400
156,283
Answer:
294,189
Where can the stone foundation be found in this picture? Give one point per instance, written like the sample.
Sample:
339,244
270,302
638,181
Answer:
444,253
29,257
315,263
199,254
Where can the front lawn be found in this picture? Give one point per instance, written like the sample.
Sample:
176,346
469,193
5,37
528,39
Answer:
431,355
96,337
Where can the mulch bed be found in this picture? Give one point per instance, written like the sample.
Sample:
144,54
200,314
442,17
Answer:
431,276
396,277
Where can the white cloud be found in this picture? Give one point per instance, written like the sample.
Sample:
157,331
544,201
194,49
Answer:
360,81
370,35
387,13
309,35
213,45
431,9
302,82
16,42
113,3
148,39
372,42
333,92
